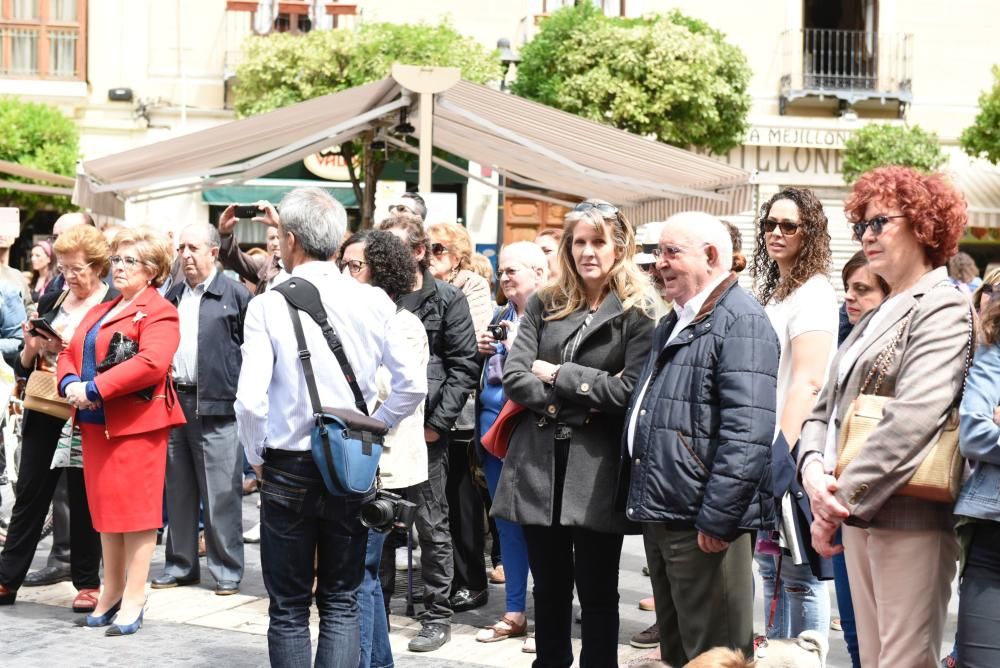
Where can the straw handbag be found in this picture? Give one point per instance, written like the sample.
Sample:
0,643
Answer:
939,476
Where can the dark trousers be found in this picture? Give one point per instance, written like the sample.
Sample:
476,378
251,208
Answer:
703,600
36,483
559,557
301,522
466,518
979,600
434,535
59,555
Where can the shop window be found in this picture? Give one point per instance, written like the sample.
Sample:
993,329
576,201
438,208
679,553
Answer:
43,39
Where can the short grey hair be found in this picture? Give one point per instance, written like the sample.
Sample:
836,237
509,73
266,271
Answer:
317,221
527,253
210,233
703,227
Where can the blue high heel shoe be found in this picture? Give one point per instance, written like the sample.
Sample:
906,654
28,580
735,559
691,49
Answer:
96,621
126,629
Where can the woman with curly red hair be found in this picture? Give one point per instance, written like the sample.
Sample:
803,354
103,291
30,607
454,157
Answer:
790,268
901,549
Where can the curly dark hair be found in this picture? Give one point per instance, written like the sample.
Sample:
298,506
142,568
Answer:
814,254
391,263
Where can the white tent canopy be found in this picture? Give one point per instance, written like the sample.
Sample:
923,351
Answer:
62,185
529,143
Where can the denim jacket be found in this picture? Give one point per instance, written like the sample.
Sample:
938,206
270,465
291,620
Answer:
12,316
979,437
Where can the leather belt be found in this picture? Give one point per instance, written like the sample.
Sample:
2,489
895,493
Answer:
184,388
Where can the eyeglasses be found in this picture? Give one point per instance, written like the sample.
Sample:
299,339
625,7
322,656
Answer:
72,271
128,262
353,266
509,271
669,252
876,223
438,249
606,209
788,229
987,289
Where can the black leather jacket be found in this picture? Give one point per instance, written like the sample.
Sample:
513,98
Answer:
453,368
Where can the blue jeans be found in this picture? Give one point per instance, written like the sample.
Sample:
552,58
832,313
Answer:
375,649
845,605
512,547
803,600
301,522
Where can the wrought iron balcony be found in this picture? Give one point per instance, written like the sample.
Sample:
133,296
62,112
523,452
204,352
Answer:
848,65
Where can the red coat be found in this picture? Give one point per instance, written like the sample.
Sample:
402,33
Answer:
158,333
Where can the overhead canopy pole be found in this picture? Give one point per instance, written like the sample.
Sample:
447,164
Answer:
427,81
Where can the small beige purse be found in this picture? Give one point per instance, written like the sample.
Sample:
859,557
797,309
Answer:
939,476
41,394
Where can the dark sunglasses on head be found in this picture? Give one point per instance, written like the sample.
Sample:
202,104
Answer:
986,289
876,223
605,209
438,249
787,229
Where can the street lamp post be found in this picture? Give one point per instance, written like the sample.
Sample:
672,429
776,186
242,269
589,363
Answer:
507,58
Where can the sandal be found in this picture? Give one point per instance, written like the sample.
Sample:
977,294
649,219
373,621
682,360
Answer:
503,629
86,600
529,644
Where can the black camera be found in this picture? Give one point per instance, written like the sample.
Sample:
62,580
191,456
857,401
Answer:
498,332
387,510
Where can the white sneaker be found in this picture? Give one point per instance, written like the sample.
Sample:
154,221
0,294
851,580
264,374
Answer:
401,564
252,535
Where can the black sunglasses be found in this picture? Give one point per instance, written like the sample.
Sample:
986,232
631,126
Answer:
876,223
606,209
787,229
438,249
986,289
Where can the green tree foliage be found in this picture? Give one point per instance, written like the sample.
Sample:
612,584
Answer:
282,69
878,145
667,76
982,138
39,136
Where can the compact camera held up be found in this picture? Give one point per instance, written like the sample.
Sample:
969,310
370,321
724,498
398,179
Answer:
386,511
498,332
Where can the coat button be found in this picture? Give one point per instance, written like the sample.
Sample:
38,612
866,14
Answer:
552,410
638,459
642,412
585,387
799,495
631,511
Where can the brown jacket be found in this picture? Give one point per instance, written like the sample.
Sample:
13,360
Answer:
925,378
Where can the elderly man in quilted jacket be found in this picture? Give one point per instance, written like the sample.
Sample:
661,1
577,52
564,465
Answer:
698,443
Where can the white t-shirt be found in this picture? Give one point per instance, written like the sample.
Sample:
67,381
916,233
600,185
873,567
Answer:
810,308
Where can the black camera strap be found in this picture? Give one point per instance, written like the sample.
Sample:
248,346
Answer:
301,295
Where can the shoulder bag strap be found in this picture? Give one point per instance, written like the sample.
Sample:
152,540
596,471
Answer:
302,295
305,357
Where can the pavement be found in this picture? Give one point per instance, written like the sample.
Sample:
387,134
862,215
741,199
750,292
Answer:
190,626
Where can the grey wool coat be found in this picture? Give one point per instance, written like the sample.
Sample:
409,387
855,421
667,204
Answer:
590,395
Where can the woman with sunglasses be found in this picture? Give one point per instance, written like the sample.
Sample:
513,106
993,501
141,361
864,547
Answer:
580,346
451,262
901,551
82,256
790,268
983,295
380,259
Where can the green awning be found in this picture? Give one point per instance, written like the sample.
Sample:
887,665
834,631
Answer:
273,190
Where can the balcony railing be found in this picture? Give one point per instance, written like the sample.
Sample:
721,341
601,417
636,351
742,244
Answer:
851,65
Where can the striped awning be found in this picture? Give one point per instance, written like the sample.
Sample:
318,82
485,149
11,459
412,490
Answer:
979,181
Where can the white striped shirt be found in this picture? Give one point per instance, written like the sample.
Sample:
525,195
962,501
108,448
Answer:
272,402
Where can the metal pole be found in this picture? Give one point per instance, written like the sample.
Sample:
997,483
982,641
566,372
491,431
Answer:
426,140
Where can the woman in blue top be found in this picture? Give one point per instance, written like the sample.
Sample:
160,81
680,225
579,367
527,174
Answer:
978,505
521,269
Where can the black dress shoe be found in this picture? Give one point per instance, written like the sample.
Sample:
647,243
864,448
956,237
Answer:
468,600
168,581
227,588
431,637
7,596
47,576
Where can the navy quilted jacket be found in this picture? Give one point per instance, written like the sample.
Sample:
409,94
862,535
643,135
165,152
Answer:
702,450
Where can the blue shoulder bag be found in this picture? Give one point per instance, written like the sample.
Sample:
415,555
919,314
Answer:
346,444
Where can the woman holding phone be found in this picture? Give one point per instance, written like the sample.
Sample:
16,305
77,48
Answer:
82,256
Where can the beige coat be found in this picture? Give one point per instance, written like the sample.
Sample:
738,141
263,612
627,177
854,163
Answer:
925,379
404,458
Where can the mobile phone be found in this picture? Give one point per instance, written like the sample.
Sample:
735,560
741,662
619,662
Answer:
248,211
42,326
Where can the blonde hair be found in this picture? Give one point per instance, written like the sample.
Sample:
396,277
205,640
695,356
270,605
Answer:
482,266
90,241
456,238
152,247
567,294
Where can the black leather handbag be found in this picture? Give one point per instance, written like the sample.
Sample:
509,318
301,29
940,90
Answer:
120,349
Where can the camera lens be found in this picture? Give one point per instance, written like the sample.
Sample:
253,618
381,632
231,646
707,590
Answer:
378,514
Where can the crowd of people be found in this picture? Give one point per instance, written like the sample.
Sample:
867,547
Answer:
547,406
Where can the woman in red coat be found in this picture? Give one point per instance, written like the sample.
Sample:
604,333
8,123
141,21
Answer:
125,414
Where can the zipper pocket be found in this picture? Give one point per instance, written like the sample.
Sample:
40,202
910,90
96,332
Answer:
697,459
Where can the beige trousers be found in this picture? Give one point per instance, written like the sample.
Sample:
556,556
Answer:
900,586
